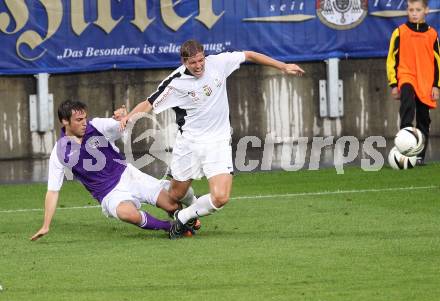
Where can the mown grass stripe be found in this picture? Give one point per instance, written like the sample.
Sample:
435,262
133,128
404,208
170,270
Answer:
246,197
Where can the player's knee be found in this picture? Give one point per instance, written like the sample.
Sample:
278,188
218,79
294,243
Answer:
220,199
128,214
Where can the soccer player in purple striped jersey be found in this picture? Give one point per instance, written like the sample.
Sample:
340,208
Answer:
87,149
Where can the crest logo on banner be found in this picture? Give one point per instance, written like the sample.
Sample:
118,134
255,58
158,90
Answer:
342,14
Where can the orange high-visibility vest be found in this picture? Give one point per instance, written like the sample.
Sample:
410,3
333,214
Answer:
416,62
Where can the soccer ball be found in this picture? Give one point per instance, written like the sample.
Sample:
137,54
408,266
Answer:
399,161
409,141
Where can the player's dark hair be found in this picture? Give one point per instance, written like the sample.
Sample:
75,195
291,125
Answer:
190,48
66,108
424,2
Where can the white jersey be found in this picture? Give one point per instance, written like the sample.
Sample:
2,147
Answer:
201,104
106,126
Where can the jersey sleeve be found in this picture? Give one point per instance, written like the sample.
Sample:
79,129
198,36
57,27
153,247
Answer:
56,172
109,127
436,63
167,95
230,61
169,98
393,58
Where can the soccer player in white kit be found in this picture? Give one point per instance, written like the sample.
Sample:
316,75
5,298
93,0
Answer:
87,149
196,91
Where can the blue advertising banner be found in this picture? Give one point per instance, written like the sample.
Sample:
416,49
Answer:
58,36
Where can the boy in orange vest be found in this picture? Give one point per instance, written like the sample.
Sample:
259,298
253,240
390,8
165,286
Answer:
413,65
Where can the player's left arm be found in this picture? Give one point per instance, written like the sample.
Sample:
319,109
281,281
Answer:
436,84
262,59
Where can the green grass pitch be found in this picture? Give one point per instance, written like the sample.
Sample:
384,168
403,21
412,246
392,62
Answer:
307,235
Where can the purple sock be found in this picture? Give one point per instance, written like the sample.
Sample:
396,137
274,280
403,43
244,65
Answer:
149,222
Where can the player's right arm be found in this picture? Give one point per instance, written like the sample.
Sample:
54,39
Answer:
55,181
50,205
393,63
166,96
143,107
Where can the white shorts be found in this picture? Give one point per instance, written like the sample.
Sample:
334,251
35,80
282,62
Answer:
134,186
195,160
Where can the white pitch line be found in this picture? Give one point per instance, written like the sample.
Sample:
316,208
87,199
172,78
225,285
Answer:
264,196
331,192
42,209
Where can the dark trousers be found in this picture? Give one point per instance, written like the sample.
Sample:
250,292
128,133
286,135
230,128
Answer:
411,105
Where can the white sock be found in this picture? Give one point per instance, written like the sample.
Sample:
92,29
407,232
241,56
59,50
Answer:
143,219
201,207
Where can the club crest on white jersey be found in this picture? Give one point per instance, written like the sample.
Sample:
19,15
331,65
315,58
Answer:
207,90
